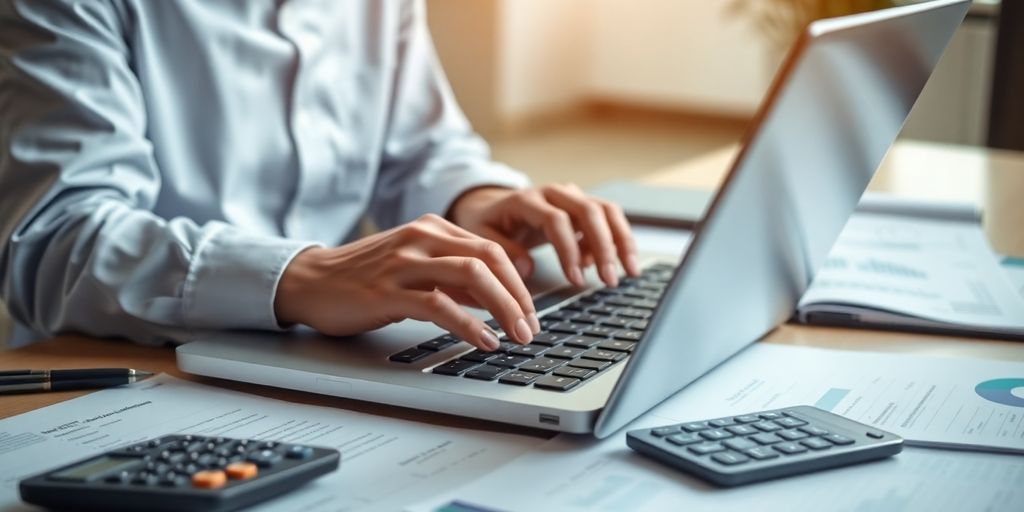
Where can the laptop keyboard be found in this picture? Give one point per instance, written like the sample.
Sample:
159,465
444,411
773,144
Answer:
585,336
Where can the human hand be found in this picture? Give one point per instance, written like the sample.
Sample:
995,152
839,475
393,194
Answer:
421,270
584,230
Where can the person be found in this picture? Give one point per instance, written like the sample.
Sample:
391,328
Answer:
175,167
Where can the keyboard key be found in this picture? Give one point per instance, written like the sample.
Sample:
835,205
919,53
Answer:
761,453
715,435
789,448
628,335
730,458
541,365
740,444
603,355
561,315
519,378
790,422
616,321
766,438
456,367
556,383
617,345
816,443
599,331
683,439
480,356
587,318
439,343
636,314
814,431
664,431
639,325
410,355
706,448
601,310
767,426
838,439
576,373
530,350
548,339
642,304
589,364
695,426
742,430
770,416
579,305
583,341
747,419
722,422
792,435
564,352
485,372
567,327
508,361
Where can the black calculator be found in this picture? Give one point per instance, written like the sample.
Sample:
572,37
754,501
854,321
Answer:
737,450
180,473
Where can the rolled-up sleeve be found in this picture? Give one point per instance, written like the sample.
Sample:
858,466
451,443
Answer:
82,250
431,153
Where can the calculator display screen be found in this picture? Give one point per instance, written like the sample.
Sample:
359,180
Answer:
94,467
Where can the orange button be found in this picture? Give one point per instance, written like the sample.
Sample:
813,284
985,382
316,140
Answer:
241,470
212,479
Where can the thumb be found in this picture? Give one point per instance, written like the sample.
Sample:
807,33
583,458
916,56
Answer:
519,255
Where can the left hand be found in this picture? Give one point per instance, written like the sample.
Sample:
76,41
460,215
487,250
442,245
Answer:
585,230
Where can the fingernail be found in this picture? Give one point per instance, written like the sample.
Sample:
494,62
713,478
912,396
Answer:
522,266
577,277
534,322
489,339
632,265
523,331
610,275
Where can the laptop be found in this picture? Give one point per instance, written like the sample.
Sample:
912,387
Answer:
607,355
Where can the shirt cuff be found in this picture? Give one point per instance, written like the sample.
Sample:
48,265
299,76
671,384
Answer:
233,280
437,193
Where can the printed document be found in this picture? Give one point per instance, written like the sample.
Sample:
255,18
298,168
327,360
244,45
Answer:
385,463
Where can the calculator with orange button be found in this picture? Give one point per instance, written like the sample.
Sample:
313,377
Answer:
181,473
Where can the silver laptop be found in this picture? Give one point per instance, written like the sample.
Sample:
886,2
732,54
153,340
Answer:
606,356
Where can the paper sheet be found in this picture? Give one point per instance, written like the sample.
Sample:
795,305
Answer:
385,463
918,397
940,271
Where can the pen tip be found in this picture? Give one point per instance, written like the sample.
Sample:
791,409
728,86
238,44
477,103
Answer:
139,374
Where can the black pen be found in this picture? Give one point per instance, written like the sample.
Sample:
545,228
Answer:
25,381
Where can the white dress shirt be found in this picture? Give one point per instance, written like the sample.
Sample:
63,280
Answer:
163,161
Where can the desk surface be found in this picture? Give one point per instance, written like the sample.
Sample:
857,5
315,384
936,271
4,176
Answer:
911,169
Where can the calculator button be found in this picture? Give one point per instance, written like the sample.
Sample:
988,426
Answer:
706,448
683,439
792,435
790,448
761,453
740,444
144,478
874,435
766,438
122,477
210,479
715,435
173,480
749,418
695,426
816,443
838,439
664,431
742,430
790,422
767,426
724,422
265,458
298,452
814,431
770,416
730,458
241,470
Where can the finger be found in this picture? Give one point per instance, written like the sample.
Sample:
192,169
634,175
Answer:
557,227
590,218
434,306
623,235
476,278
498,261
519,255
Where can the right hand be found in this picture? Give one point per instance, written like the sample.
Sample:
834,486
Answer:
421,270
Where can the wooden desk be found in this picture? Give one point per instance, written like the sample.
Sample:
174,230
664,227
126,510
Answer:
911,169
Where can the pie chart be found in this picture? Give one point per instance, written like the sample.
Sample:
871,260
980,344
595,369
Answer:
1002,391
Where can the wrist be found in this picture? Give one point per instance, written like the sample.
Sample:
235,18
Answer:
295,284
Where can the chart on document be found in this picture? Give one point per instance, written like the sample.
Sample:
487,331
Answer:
927,400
